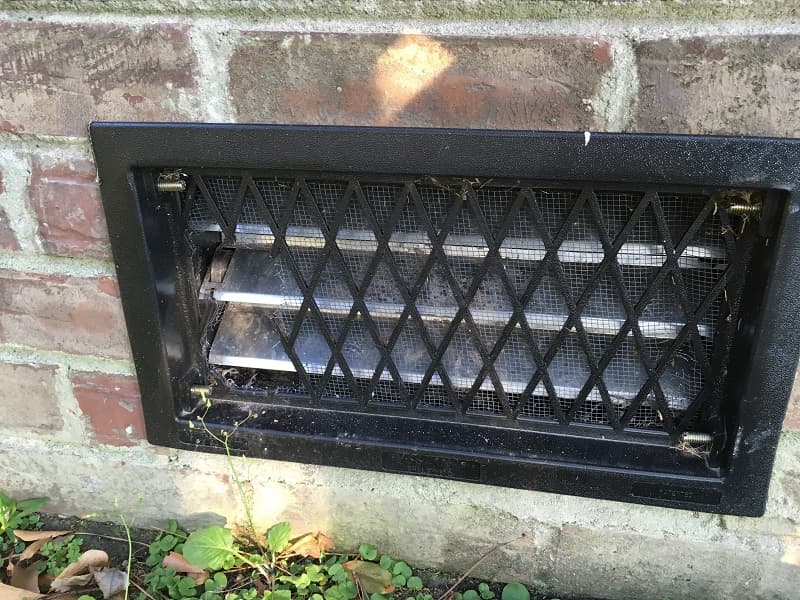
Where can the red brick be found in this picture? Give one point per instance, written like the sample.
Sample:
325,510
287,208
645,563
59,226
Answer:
55,79
112,407
65,196
738,85
59,312
412,80
29,400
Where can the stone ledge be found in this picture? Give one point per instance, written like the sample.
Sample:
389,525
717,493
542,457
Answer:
428,9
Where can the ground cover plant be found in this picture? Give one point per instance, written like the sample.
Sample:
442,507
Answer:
212,563
207,564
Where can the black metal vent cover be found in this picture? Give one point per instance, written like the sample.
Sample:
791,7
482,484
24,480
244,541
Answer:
611,319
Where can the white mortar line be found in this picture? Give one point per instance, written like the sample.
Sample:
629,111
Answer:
16,170
12,353
43,264
32,143
635,30
72,422
213,49
618,91
44,145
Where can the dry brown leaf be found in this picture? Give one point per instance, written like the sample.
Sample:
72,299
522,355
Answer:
32,536
45,579
110,581
373,578
32,549
175,560
65,584
9,592
26,578
78,572
312,545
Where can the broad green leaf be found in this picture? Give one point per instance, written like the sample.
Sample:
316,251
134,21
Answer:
31,505
185,584
399,580
210,548
314,573
371,577
415,583
515,591
341,592
471,595
386,561
401,568
368,551
337,573
278,536
485,591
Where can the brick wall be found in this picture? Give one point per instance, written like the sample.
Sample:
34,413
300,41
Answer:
714,67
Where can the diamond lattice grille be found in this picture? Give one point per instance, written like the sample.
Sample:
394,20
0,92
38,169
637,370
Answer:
482,299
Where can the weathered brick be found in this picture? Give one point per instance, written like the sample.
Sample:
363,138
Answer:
792,421
414,80
739,86
59,312
55,79
8,241
66,199
28,402
111,405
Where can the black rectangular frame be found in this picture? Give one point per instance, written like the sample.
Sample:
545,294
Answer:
157,308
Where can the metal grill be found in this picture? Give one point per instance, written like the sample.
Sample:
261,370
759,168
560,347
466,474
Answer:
486,298
613,319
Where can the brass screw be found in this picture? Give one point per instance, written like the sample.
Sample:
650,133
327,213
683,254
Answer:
744,209
200,390
173,185
696,438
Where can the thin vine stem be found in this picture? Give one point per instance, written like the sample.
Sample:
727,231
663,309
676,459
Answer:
223,440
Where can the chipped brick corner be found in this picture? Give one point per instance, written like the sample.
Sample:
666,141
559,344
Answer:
112,407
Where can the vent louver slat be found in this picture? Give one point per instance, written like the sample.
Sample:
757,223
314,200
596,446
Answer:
505,299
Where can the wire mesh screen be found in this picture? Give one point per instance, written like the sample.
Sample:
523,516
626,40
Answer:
481,298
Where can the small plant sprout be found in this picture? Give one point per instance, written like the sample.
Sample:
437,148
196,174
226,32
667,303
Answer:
223,440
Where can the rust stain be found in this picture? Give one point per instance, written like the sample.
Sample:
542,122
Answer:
132,99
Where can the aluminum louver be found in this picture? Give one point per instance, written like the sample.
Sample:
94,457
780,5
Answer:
497,298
